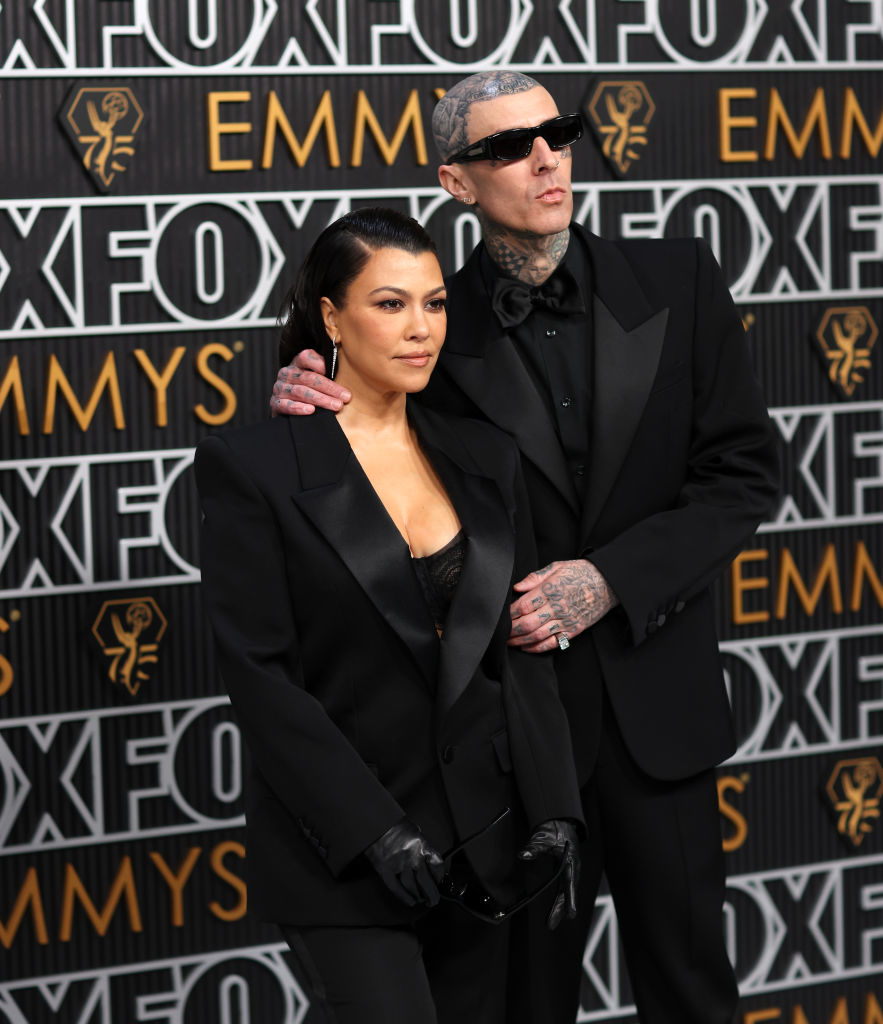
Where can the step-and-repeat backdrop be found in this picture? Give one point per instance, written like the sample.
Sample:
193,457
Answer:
165,164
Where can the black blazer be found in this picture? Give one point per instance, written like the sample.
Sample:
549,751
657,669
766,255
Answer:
683,468
355,713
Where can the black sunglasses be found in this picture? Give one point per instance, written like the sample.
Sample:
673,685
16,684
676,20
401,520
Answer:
516,143
460,886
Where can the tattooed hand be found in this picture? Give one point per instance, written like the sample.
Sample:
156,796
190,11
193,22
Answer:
301,387
564,597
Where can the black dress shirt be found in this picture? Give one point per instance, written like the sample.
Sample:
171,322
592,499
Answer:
556,349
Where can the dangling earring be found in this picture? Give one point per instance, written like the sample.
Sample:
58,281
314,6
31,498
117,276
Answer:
333,356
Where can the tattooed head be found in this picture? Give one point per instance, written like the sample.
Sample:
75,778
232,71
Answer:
451,114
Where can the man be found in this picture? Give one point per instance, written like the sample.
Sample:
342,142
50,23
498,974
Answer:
622,372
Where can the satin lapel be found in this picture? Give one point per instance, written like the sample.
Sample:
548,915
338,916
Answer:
625,365
629,335
484,584
485,365
338,499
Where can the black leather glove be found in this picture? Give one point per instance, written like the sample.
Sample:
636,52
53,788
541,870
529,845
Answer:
410,868
558,837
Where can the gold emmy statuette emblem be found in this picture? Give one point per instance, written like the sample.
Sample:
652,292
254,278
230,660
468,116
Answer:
129,631
101,122
620,113
854,788
847,335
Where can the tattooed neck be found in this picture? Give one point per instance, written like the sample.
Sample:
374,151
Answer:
529,258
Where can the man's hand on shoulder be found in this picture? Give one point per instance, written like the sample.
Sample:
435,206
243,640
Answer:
302,387
562,598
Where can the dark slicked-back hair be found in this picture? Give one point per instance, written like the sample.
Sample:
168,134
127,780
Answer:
450,117
337,257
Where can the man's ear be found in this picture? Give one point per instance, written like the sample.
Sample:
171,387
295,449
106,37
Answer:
451,180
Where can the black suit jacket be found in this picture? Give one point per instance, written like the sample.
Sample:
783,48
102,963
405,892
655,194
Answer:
355,713
683,467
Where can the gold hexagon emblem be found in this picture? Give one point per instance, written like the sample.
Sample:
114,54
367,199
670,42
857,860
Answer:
620,113
847,335
854,789
129,630
102,122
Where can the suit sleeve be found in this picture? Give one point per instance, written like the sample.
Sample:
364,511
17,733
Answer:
309,764
658,564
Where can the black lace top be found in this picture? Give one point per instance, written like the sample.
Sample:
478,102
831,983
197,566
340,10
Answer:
439,574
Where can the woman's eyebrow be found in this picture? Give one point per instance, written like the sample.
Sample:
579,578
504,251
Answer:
404,291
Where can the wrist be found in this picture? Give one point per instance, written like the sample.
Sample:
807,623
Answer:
601,590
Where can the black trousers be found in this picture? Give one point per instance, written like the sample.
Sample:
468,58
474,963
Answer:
448,968
659,844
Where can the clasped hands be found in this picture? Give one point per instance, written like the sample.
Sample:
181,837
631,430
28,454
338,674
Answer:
412,869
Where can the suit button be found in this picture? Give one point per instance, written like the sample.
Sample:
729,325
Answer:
447,755
551,334
652,627
679,607
661,620
566,402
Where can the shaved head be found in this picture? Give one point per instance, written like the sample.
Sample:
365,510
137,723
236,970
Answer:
451,114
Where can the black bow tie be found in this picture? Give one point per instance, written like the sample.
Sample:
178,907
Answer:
512,301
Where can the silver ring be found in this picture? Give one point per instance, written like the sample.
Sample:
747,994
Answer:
563,642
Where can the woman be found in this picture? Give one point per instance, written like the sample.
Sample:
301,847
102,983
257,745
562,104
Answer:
357,572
